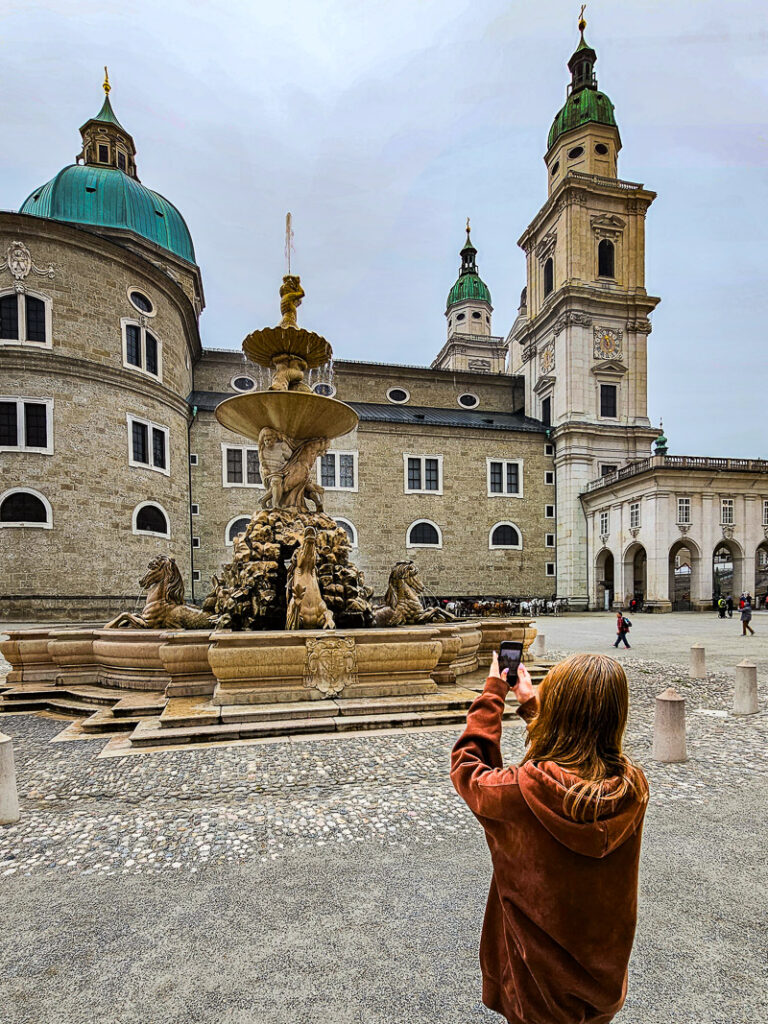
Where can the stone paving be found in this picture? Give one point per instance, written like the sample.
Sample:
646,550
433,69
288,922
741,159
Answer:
185,810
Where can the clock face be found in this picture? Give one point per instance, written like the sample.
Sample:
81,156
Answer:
547,359
608,345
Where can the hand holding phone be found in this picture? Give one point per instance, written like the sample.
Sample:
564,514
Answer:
510,656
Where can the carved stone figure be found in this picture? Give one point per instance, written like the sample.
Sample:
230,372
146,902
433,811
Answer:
402,601
164,607
286,468
306,607
288,374
291,294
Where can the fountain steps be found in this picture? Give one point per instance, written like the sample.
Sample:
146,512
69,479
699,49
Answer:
102,709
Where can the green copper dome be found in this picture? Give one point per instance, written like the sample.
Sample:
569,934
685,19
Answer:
469,286
107,197
581,107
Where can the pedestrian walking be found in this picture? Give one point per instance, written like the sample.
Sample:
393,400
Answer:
746,618
721,607
564,831
729,605
623,626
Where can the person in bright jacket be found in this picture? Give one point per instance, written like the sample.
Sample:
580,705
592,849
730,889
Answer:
564,830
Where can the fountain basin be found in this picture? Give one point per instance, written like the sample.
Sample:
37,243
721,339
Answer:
299,414
262,346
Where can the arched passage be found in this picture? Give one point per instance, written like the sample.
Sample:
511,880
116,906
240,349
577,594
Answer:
604,579
761,575
635,573
727,570
684,570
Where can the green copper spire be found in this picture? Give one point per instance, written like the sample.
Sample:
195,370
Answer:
469,285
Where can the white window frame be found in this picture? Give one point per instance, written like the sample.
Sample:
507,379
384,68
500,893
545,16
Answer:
604,521
549,540
242,515
193,459
550,569
505,547
548,514
195,509
244,449
132,321
765,511
409,490
504,462
21,428
142,291
47,525
547,481
130,420
399,401
324,384
150,533
196,576
337,452
243,376
195,542
468,394
635,518
549,449
686,503
347,522
730,505
417,522
22,340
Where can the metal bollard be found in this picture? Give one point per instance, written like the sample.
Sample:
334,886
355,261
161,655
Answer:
698,669
9,797
745,689
539,645
669,727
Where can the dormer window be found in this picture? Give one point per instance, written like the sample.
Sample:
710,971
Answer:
103,154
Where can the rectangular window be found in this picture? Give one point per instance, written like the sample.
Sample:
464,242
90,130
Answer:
195,542
684,511
338,471
549,477
150,353
141,349
609,401
634,515
505,477
26,425
35,425
726,511
103,154
549,449
423,474
196,576
23,318
546,412
193,460
133,344
121,160
148,445
240,466
605,523
549,511
35,310
606,468
195,509
549,540
9,430
550,568
9,317
765,512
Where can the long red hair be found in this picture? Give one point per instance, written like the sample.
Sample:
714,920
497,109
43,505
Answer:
583,708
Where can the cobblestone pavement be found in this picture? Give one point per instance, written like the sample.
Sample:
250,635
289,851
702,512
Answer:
191,808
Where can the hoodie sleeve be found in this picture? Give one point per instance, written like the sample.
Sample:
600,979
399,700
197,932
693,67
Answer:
476,764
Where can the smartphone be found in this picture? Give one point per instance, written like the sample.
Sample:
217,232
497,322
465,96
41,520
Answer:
510,656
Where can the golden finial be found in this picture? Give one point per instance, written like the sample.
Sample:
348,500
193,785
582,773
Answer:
467,227
106,85
582,19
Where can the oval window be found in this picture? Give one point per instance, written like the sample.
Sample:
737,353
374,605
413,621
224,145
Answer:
398,395
575,152
459,316
555,168
477,316
468,400
326,390
601,149
140,301
243,383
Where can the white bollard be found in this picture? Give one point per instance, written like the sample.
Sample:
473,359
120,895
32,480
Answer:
698,669
539,645
745,689
9,798
669,727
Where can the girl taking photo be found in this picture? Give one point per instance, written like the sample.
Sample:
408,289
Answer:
564,829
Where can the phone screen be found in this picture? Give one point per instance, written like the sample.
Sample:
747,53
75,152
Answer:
510,655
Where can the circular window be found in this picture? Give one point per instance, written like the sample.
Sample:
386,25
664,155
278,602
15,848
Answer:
326,390
468,400
601,149
243,383
555,168
141,302
398,395
477,316
576,151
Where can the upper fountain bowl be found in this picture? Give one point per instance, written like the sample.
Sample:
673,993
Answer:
262,346
299,414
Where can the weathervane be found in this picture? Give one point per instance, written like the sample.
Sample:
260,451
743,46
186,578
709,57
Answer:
106,86
582,19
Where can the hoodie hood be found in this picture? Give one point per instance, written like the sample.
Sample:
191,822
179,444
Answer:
544,787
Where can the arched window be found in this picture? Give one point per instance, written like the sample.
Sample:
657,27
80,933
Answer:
349,529
235,526
505,535
25,318
549,276
25,507
605,259
424,534
151,519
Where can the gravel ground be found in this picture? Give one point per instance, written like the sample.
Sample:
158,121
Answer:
344,881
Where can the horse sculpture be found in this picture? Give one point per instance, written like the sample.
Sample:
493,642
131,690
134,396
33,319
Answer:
164,607
402,601
306,607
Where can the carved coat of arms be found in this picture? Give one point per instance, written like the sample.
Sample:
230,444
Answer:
331,664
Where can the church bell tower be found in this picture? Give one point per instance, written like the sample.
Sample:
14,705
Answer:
580,338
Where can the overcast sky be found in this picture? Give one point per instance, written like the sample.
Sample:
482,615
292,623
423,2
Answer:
382,126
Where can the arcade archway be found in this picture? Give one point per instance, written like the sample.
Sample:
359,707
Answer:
604,578
635,573
761,575
684,566
727,570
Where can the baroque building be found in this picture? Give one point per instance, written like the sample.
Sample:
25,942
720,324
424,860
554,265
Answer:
512,466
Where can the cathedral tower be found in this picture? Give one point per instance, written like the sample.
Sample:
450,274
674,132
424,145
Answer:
581,333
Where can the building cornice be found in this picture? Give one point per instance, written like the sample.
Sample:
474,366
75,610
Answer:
578,303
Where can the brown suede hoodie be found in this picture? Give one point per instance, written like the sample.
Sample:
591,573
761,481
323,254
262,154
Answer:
562,909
